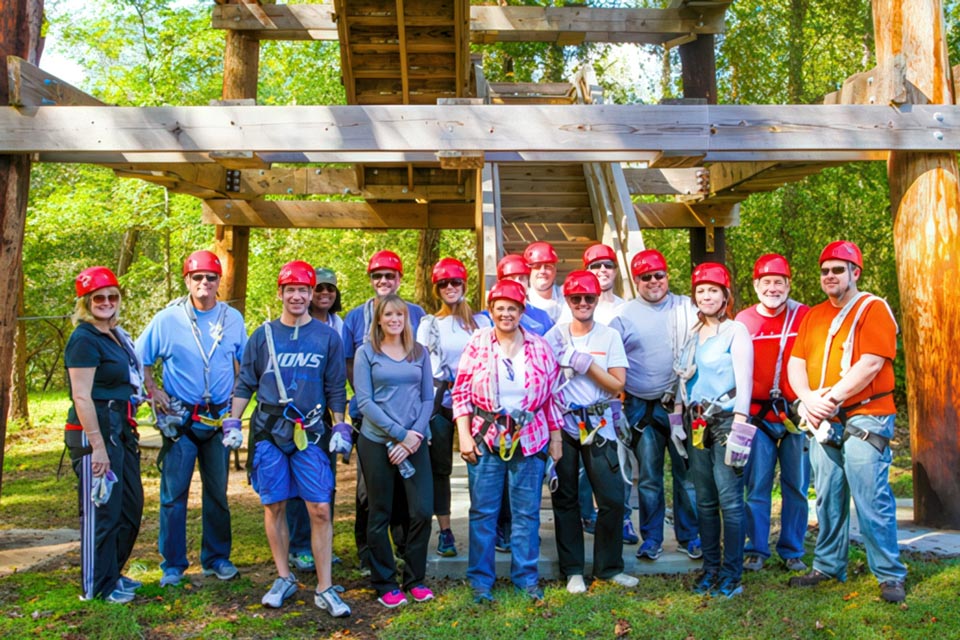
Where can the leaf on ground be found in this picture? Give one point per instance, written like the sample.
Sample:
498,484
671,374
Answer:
622,628
852,595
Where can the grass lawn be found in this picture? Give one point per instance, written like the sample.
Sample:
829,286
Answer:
43,602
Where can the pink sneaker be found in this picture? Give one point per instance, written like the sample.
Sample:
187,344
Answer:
421,594
393,599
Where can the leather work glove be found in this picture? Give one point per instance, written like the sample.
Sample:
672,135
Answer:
232,435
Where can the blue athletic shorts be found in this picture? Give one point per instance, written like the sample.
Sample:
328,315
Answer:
277,477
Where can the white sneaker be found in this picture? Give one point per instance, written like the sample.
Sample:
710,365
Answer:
331,602
575,584
282,589
625,580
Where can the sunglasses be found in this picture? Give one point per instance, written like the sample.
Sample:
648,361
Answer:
824,271
659,275
587,299
388,275
450,282
602,264
324,287
209,277
100,298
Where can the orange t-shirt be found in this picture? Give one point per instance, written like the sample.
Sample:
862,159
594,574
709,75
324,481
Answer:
876,334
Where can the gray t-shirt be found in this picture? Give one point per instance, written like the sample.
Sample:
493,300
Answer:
394,396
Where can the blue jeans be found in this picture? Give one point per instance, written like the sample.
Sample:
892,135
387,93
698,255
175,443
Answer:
524,478
758,475
175,478
860,471
720,510
649,448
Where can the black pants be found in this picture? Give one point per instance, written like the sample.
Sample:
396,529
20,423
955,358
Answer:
603,470
379,472
399,522
441,459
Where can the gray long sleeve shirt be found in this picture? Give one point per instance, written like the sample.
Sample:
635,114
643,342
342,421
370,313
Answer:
393,396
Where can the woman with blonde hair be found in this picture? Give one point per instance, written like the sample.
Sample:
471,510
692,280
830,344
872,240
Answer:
104,376
394,389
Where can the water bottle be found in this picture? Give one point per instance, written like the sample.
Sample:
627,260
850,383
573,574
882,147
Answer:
405,467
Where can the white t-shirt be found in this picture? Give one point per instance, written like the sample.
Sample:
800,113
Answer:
511,380
553,306
606,347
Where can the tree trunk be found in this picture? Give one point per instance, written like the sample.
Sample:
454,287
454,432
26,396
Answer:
19,407
427,255
128,248
925,198
20,22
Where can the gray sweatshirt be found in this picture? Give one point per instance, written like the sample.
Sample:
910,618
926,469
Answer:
393,396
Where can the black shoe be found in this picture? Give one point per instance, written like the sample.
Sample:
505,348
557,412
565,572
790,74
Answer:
893,591
811,579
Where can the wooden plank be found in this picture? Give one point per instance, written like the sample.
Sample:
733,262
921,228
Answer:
339,215
678,215
291,22
31,86
725,175
330,181
515,132
685,182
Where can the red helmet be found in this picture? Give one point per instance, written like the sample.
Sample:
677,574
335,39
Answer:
447,268
512,264
510,290
581,283
297,272
385,260
771,264
94,278
598,252
842,250
711,272
540,253
646,261
202,261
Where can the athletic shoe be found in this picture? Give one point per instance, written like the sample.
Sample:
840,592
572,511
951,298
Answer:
625,580
705,583
331,602
629,533
282,589
589,525
502,543
334,559
128,584
421,593
224,570
533,591
171,577
893,591
811,579
649,550
575,584
694,549
119,596
482,597
753,562
447,545
727,588
795,564
393,599
302,561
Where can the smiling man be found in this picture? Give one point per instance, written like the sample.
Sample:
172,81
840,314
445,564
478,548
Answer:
543,292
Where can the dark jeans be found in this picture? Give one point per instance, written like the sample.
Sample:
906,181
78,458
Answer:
603,469
441,459
379,472
720,508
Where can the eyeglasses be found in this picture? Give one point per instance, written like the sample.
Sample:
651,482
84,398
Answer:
587,299
602,264
824,271
100,298
659,275
324,287
450,282
384,275
209,277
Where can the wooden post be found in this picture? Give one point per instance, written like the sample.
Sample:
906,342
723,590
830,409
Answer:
241,66
698,68
20,22
924,197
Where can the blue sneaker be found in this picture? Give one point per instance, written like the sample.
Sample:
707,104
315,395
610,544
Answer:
447,546
483,597
705,583
171,577
128,584
649,550
629,533
119,596
694,549
302,561
224,570
533,591
727,588
282,589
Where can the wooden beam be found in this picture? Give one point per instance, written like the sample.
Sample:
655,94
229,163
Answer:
668,181
681,215
31,86
726,175
339,215
488,24
510,130
340,181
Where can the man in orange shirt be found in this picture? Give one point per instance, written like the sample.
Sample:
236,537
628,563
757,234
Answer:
841,368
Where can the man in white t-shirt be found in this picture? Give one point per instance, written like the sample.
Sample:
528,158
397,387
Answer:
544,292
